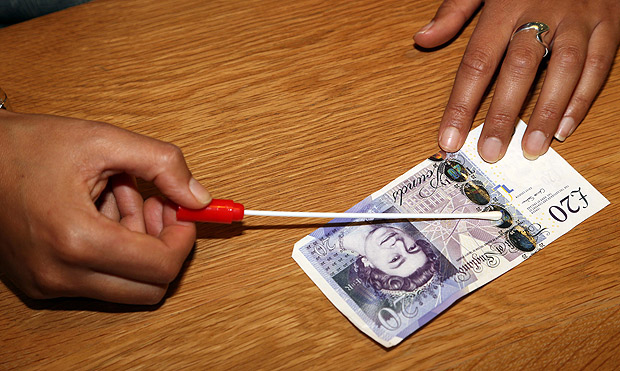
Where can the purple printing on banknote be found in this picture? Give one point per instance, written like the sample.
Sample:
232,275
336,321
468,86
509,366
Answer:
390,278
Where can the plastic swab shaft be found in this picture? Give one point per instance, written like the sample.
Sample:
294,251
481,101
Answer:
227,211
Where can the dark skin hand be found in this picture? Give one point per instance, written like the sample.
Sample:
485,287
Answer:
73,222
583,38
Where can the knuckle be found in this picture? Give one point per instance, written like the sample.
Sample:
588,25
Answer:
168,271
477,63
153,296
568,56
500,122
455,7
70,245
459,110
450,5
96,132
598,62
523,59
48,282
171,154
581,101
550,112
34,293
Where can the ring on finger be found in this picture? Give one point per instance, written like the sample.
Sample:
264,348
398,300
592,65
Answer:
540,27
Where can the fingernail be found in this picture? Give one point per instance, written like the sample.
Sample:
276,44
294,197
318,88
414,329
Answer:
199,191
566,127
450,139
425,28
491,149
533,148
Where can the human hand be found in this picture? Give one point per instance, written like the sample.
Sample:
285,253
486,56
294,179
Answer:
584,37
72,222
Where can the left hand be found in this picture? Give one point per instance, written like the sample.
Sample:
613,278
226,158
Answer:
583,39
72,222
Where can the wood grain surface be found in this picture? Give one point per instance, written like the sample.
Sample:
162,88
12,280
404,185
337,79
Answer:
299,105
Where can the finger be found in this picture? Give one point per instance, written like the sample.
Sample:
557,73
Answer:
80,282
129,201
153,215
479,63
152,160
109,288
448,21
170,215
159,213
54,279
601,50
120,290
107,247
106,204
513,84
563,72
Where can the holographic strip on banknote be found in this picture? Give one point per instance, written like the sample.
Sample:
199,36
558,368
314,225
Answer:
390,278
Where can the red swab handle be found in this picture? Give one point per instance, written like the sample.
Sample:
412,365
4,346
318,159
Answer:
218,211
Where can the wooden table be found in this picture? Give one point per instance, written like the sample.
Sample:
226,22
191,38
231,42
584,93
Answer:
294,105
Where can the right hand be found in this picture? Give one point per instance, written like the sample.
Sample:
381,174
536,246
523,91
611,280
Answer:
584,37
72,221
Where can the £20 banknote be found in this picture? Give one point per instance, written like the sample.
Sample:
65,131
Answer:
390,278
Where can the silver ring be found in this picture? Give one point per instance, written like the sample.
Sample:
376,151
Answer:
540,28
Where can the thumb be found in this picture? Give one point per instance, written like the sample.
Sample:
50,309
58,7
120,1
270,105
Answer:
448,21
152,160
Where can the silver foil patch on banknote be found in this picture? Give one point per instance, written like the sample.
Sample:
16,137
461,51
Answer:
391,278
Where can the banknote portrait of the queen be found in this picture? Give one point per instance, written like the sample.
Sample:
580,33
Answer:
393,257
390,258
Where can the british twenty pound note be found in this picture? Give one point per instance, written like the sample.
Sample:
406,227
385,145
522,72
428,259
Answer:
390,278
